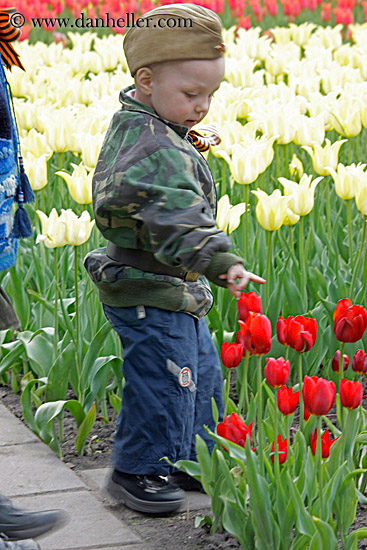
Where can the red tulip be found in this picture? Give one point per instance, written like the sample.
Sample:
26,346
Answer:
359,362
351,393
248,301
282,449
325,443
276,372
326,11
234,429
298,332
336,359
287,400
318,395
350,321
256,331
306,414
231,354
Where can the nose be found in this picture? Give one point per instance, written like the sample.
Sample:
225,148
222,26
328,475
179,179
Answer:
202,106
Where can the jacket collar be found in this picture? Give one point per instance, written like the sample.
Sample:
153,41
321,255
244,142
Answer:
129,103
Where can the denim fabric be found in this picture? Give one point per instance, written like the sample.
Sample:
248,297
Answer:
162,409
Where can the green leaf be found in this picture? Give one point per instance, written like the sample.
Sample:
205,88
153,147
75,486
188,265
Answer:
260,503
85,428
234,522
215,412
58,376
304,521
26,402
226,473
11,357
301,542
97,378
352,538
48,412
93,353
324,538
294,298
39,350
205,461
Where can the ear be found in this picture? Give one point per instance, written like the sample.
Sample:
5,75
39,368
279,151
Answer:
144,80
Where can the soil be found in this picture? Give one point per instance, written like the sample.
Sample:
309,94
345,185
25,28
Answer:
176,531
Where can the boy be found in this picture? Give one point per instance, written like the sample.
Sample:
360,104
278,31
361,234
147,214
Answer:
155,202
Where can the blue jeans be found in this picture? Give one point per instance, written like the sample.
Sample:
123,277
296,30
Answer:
171,370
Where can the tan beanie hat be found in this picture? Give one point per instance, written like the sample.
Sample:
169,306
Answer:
173,32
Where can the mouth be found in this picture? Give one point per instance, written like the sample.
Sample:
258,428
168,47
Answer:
190,123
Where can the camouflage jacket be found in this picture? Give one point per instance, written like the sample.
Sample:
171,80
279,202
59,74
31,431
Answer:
153,191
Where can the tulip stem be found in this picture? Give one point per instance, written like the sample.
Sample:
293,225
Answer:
56,328
340,376
301,404
288,420
276,449
348,452
269,252
227,391
319,465
247,243
350,235
77,344
302,264
260,439
243,401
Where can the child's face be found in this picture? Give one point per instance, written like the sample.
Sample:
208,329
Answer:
181,91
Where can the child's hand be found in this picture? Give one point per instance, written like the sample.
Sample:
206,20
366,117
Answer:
237,271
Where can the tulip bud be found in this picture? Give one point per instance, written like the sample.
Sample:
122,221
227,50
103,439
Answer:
231,354
325,157
282,450
53,229
271,210
359,362
350,321
318,395
336,359
325,443
298,332
256,331
276,371
248,301
287,400
351,393
234,429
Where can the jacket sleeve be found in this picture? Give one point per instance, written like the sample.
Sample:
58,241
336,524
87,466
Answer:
158,199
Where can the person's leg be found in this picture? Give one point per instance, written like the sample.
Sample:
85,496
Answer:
158,403
18,524
8,317
210,385
6,544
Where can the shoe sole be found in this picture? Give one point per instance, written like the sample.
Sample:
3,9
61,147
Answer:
34,532
121,495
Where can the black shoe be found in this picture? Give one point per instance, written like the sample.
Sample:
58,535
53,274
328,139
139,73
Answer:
18,524
186,482
151,494
5,544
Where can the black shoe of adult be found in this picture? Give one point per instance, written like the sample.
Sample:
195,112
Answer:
186,482
150,494
6,544
17,524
